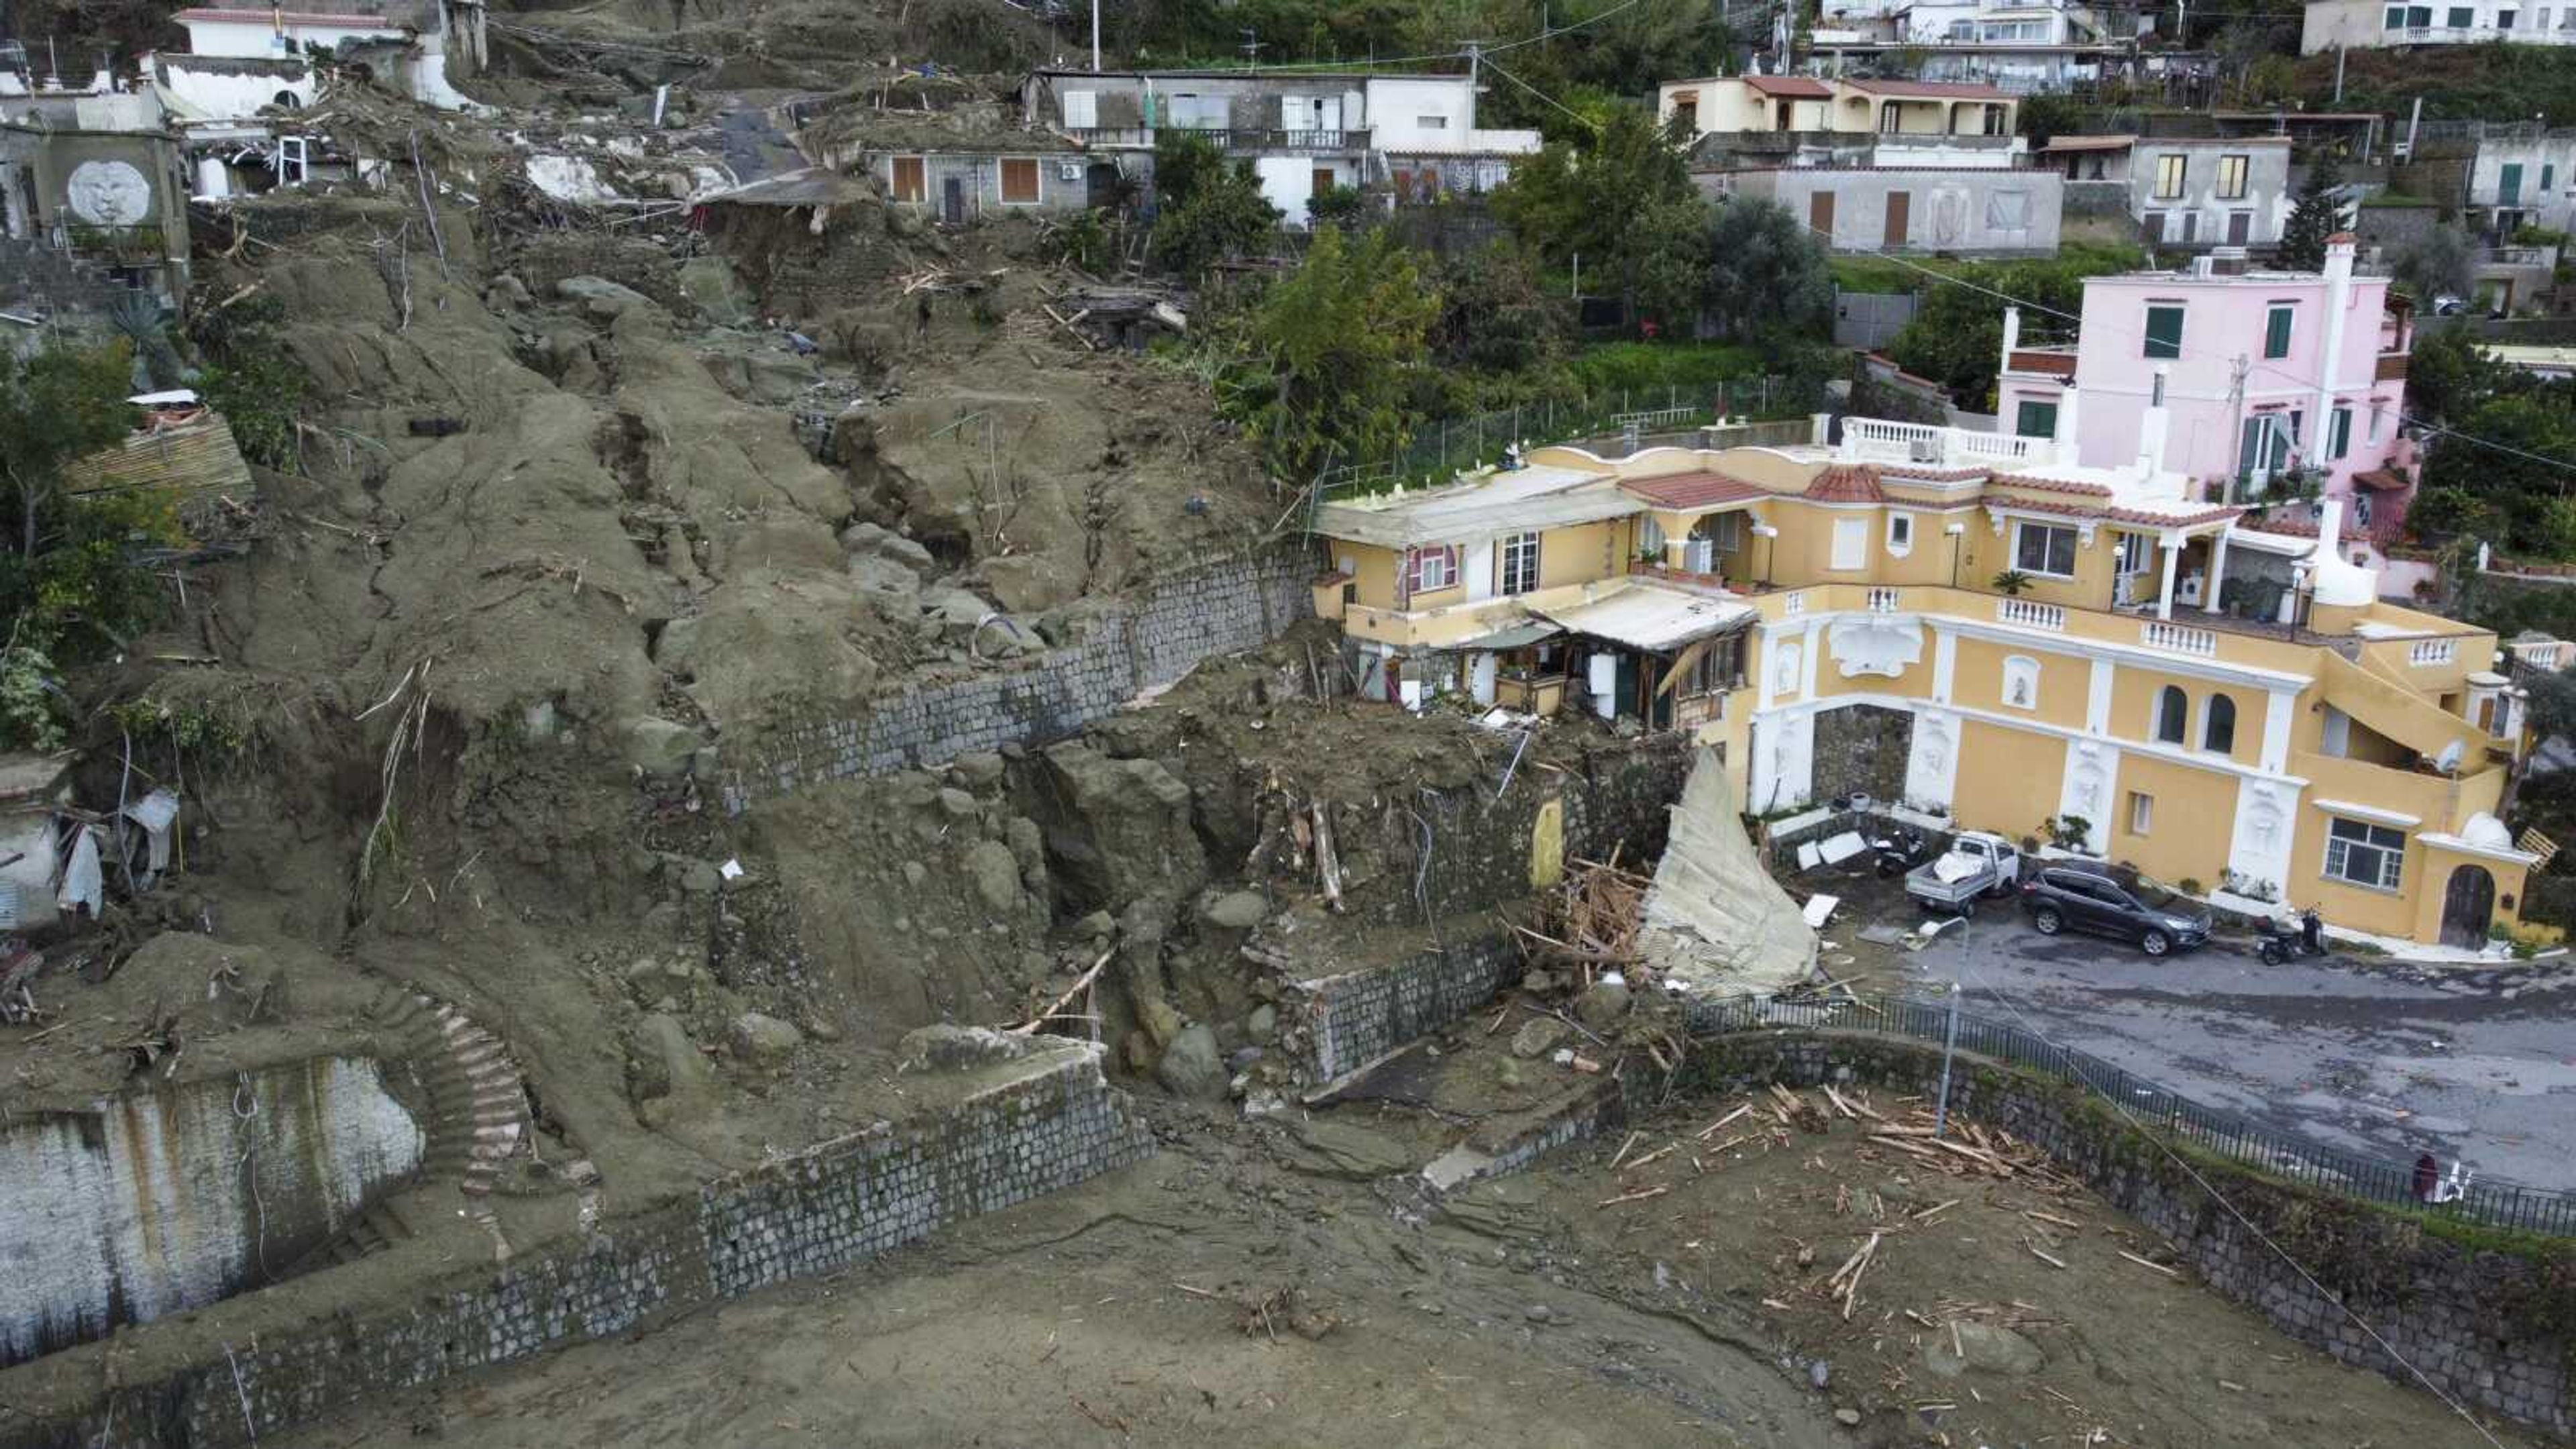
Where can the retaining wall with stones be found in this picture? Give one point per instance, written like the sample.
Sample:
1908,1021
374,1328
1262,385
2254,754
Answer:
1223,606
1355,1018
1049,1122
2490,1328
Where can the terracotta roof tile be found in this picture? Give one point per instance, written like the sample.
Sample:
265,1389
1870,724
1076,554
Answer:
2211,514
1797,87
1952,90
1693,490
1846,484
2052,485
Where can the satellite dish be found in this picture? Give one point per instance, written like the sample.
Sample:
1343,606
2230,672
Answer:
2448,762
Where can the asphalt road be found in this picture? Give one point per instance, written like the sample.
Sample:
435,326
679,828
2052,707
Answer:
2368,1055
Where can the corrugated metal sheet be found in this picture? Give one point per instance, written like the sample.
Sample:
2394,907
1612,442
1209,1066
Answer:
195,456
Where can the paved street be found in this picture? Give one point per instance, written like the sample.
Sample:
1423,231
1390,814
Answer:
2367,1055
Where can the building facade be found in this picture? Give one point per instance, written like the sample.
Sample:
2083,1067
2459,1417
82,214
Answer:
2037,641
2187,191
2379,24
2021,46
1987,211
1891,110
1414,137
2272,380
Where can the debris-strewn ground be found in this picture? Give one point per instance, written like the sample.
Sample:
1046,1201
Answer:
1274,1284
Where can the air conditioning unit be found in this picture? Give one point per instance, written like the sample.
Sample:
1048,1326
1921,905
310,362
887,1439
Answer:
1069,171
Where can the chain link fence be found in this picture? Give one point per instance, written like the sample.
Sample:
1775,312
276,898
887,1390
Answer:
2487,1201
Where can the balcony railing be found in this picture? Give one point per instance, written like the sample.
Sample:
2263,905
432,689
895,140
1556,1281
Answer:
2178,639
2473,35
1876,440
2029,615
1230,138
2514,257
2425,652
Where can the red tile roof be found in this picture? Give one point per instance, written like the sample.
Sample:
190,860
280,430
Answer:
1901,473
1846,484
1692,490
2053,485
2212,514
1793,87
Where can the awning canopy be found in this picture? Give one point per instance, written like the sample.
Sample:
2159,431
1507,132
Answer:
1647,617
1518,636
2381,480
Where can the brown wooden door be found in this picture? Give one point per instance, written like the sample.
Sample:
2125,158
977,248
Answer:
1900,205
1323,180
2468,906
1820,215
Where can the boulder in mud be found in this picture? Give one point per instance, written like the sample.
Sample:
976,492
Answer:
1602,1004
1537,1037
1235,911
661,747
762,1040
1982,1346
1116,830
1192,1066
667,1063
869,540
996,875
600,297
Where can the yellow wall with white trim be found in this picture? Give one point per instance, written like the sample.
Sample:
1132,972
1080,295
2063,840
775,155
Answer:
2009,780
2192,826
2065,682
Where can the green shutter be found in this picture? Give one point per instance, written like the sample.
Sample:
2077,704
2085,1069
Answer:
2164,332
2342,440
2036,420
2276,333
2509,184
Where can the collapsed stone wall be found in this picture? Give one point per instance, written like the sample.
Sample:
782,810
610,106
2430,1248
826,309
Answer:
264,1369
1353,1019
2488,1328
1222,606
1861,749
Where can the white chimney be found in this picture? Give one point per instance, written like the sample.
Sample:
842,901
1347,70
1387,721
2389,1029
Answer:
2338,302
2329,527
2153,424
2068,435
2012,335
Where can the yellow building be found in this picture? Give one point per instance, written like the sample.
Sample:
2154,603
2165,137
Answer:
2050,649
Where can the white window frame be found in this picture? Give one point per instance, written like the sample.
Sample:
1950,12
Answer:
1447,556
1081,110
1516,553
1431,123
2023,526
2142,813
2181,176
1900,534
2156,717
2342,849
1850,545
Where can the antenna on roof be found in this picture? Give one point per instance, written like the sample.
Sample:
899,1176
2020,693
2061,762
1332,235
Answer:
1251,49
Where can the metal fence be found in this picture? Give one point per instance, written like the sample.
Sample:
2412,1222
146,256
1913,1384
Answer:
2496,1203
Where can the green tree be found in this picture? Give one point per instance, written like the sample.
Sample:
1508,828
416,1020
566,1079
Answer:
2435,264
1330,359
1209,209
1495,317
63,403
1957,335
2519,488
1616,199
2317,215
2449,376
1766,277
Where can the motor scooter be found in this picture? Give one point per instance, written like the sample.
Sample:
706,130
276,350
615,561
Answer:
2278,941
1898,849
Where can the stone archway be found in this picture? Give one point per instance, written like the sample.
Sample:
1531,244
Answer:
2468,906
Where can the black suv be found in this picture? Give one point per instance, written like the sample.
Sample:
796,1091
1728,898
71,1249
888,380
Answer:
2088,897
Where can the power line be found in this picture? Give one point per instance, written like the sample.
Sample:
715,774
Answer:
2068,1057
1533,90
1548,33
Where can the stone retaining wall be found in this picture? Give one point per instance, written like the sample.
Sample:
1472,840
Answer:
835,1204
2490,1328
1224,606
1353,1019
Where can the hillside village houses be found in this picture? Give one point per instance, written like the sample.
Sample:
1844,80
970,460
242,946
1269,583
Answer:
2378,24
2017,45
2269,379
1812,606
1304,131
1872,165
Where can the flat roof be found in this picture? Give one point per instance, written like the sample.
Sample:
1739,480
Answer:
1642,614
2089,143
1538,496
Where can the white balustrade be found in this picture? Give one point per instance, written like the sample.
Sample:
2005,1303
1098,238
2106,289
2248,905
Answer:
2031,615
1884,601
2157,634
2431,651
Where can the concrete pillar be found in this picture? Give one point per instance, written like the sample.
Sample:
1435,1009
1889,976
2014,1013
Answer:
2217,572
2164,592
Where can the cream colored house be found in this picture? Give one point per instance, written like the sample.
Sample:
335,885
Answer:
2045,640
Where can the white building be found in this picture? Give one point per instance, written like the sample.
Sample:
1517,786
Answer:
2377,24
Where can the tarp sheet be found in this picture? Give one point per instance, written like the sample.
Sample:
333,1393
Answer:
1715,921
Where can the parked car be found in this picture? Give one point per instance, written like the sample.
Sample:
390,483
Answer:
2083,896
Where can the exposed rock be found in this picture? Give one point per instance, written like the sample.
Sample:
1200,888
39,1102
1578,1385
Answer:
1191,1066
996,876
668,1063
660,747
884,579
709,283
980,769
947,1048
762,1040
1537,1037
1982,1346
602,298
871,540
1601,1005
1236,910
1116,829
1263,1024
957,803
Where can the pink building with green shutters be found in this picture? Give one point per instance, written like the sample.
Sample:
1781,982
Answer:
2267,379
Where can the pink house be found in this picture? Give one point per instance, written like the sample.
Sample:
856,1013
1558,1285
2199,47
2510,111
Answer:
2263,375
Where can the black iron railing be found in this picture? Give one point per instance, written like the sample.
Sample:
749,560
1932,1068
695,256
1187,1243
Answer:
2152,1105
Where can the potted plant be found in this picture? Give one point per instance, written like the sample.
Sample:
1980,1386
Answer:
2011,582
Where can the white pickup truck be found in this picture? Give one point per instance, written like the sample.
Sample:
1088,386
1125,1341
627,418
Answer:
1978,863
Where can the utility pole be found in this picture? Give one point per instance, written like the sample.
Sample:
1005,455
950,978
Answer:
1095,37
1949,1048
2338,71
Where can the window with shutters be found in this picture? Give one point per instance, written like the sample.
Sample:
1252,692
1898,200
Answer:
911,179
2339,434
2276,329
2171,171
1081,110
1019,182
2164,331
1432,569
2231,178
2035,419
1851,544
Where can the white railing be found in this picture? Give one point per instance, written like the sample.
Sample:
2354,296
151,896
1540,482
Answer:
2157,634
2031,615
2473,35
2550,657
2431,651
1885,601
1878,440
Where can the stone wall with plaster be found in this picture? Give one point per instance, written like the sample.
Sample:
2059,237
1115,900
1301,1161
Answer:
1862,749
1054,1124
1224,606
157,1201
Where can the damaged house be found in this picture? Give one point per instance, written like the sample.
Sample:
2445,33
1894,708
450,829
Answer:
91,191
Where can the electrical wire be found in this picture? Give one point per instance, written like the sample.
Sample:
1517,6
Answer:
1542,95
2068,1059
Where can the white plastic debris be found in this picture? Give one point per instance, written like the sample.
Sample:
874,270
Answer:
730,870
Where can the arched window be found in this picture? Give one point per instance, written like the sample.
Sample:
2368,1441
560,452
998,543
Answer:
2218,727
2173,711
286,101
